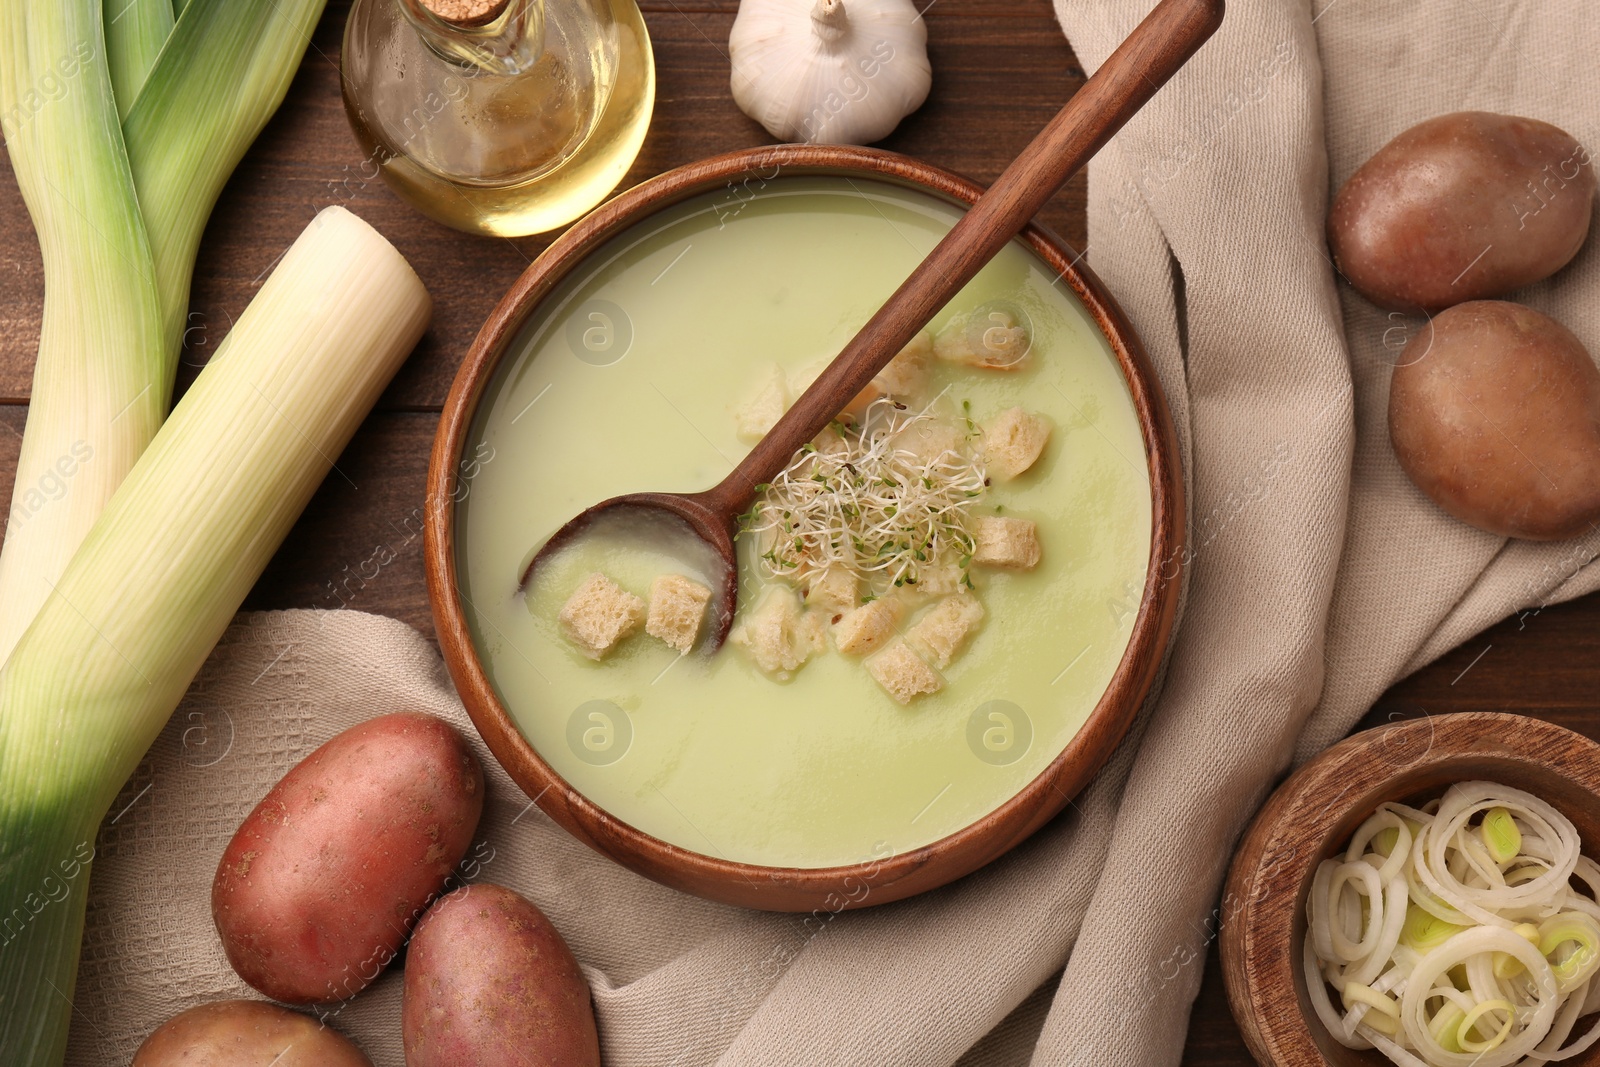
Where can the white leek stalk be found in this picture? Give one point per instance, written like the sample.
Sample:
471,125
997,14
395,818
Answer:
104,374
156,581
1481,952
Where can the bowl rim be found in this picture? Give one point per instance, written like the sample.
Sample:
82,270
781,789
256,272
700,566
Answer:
883,878
1263,904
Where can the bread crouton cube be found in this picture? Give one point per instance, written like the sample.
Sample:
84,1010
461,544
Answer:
931,440
829,441
780,635
599,614
677,604
902,673
763,406
1006,542
907,372
943,580
984,337
802,379
1013,441
864,628
944,628
835,590
857,408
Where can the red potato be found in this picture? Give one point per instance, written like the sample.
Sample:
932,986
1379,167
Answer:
1495,414
489,982
1462,207
319,888
246,1033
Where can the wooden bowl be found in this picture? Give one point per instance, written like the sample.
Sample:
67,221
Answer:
801,889
1312,816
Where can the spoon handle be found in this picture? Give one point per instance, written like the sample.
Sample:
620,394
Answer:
1152,53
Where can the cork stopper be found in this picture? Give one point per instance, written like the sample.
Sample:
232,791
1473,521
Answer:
466,12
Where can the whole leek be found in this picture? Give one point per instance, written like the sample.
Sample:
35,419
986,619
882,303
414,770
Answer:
104,374
96,399
158,578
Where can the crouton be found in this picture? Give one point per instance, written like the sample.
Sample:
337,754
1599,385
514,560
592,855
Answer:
599,614
801,380
1006,542
943,580
763,406
907,372
857,408
829,441
677,604
835,590
931,439
985,337
864,628
902,673
944,628
779,634
1013,441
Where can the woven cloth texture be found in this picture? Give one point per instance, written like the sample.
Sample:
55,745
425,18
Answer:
1316,577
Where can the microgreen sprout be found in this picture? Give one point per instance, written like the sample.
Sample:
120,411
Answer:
877,506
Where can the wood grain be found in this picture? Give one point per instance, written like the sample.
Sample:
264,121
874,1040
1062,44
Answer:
998,81
1001,69
359,543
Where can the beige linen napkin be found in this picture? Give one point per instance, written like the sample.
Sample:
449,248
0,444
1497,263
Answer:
1310,589
1230,179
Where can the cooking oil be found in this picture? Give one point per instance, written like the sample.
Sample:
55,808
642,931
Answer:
506,117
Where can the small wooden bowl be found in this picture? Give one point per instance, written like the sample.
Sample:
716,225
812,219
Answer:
1312,816
833,889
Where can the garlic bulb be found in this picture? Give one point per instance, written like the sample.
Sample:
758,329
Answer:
810,70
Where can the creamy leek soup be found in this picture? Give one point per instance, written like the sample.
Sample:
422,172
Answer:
653,367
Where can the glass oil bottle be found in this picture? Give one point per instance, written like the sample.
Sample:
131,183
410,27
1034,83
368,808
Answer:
505,117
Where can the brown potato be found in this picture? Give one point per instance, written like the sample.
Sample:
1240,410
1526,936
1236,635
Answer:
1495,414
318,889
1462,207
246,1033
490,982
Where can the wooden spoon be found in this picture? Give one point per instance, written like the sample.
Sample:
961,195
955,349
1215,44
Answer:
1153,52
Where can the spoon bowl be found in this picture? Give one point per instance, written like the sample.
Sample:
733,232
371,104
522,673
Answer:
698,518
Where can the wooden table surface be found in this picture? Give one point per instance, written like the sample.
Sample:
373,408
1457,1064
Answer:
1001,69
